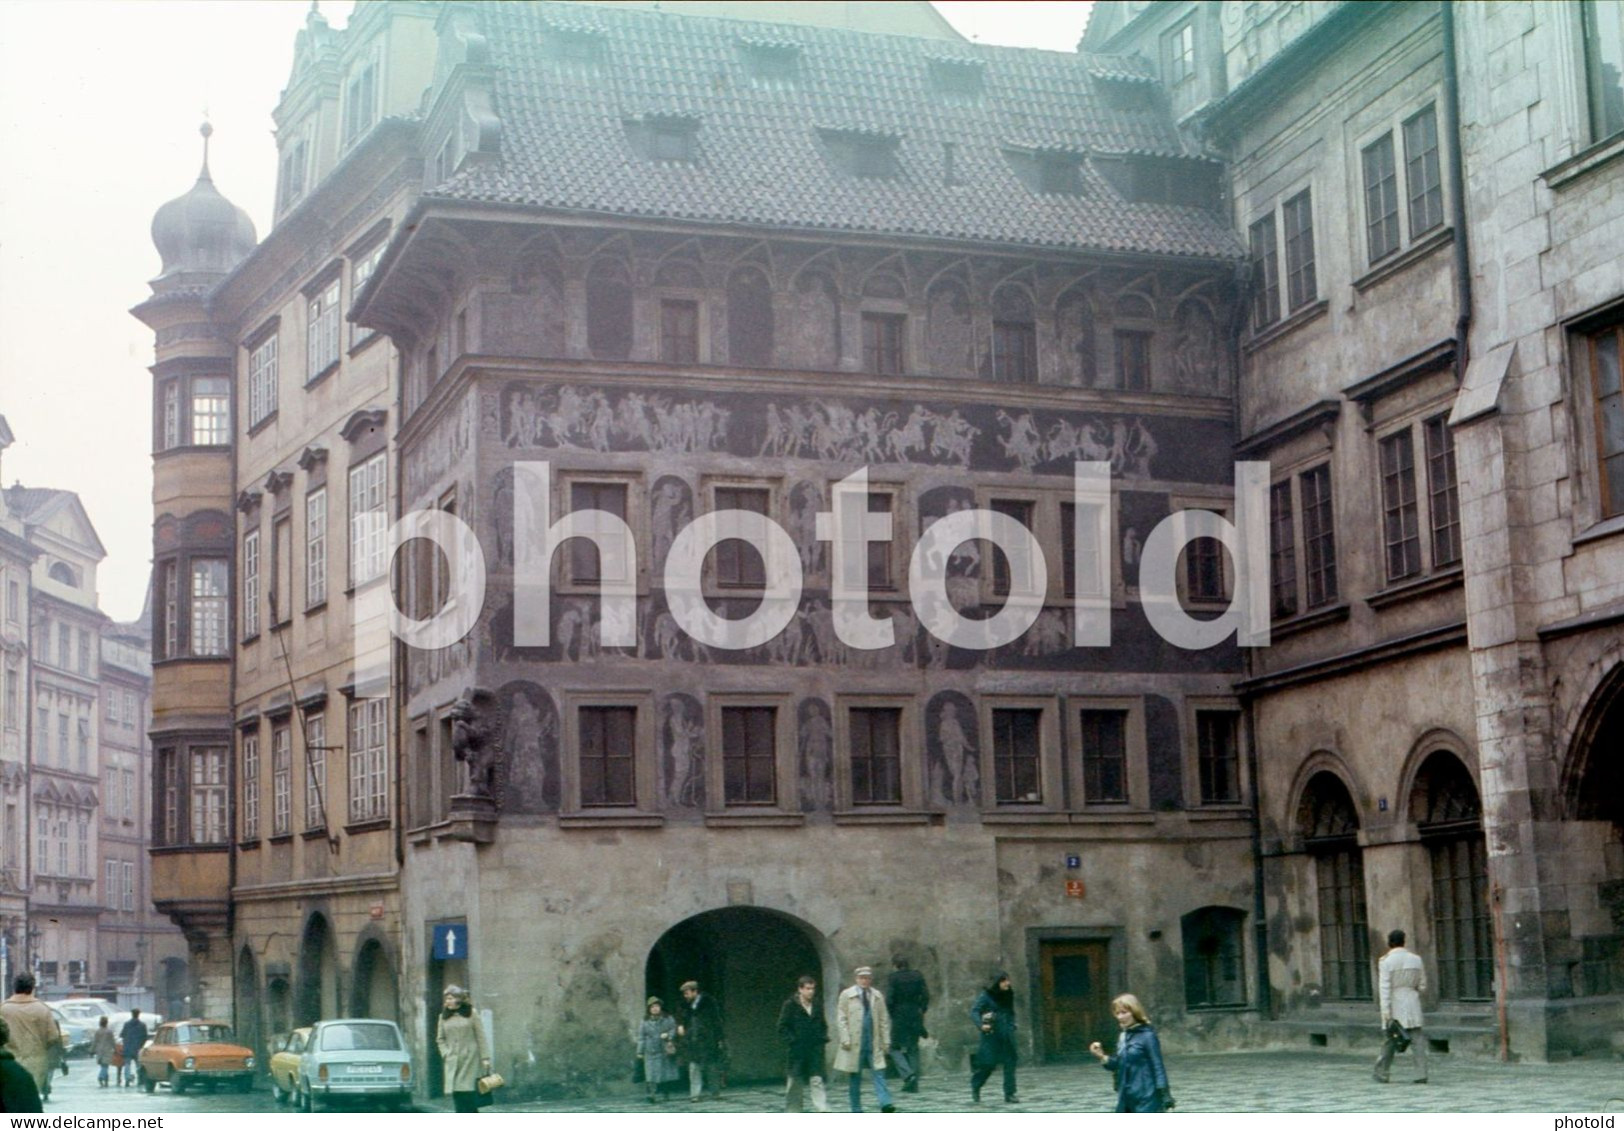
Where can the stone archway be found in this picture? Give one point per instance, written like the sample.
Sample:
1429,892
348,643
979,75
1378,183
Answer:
373,988
1328,822
316,984
250,1030
1595,840
749,958
1448,813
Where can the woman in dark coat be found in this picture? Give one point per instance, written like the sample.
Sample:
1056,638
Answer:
994,1015
18,1092
1141,1076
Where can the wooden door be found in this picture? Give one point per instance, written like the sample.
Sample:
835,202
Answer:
1076,1005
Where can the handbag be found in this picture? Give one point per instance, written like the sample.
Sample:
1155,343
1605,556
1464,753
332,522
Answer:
670,1047
1400,1039
489,1083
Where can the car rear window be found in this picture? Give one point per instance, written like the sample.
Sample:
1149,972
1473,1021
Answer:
370,1038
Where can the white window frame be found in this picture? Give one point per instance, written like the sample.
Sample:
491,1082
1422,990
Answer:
316,547
315,734
369,519
1392,127
367,747
250,785
250,584
281,779
362,267
263,366
321,327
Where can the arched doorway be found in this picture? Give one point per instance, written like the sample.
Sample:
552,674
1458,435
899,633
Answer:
278,1004
174,985
249,1031
1445,807
1596,802
373,989
749,958
1329,824
316,987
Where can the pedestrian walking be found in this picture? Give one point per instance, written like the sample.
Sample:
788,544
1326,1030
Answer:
18,1092
804,1033
994,1017
461,1041
702,1042
864,1027
102,1047
657,1048
1141,1077
1403,980
36,1038
133,1036
907,996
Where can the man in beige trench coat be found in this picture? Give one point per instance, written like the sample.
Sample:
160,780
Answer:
1403,981
36,1038
863,1027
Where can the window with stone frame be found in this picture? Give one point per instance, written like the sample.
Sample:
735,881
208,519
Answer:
1282,552
1007,576
1297,215
316,548
206,799
1302,550
369,522
1104,750
1014,336
249,745
360,101
1218,758
875,737
734,563
362,266
749,755
1604,66
1133,365
294,169
883,343
210,411
281,779
262,380
368,757
1017,755
750,326
315,775
679,331
322,327
1214,943
1403,192
1319,536
1265,273
606,756
1420,499
250,584
1602,355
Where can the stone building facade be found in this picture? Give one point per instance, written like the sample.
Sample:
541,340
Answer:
729,285
1443,662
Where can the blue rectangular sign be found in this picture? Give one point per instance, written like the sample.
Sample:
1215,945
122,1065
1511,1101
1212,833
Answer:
451,940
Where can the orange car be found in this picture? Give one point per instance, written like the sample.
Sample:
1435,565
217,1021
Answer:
184,1053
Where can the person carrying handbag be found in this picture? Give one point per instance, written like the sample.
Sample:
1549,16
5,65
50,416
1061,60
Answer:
657,1048
461,1041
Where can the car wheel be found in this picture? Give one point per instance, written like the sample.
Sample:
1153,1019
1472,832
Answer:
307,1101
177,1086
146,1081
245,1085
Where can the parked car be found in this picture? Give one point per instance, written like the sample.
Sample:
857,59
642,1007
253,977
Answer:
184,1053
286,1051
356,1058
76,1034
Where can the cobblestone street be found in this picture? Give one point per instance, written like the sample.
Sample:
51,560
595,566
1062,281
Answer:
1230,1082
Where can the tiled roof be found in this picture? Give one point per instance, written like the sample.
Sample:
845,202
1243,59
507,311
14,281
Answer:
760,158
28,502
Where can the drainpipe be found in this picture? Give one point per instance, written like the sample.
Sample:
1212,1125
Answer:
1457,195
1260,923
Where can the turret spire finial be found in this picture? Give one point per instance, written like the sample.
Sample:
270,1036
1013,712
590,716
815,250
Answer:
207,130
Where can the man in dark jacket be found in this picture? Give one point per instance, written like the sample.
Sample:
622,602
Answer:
804,1031
18,1092
909,997
132,1037
700,1031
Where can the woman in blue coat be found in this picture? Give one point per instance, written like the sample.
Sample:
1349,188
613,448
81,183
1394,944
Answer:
1141,1076
994,1015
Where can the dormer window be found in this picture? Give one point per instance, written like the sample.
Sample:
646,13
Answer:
1120,92
771,64
957,80
1188,182
1049,172
861,153
582,48
665,137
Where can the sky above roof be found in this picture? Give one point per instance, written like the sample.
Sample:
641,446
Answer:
99,108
